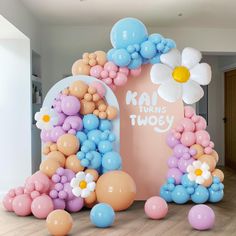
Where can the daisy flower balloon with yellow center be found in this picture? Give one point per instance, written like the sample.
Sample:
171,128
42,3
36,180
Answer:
180,75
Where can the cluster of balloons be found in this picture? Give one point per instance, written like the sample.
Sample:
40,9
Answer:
192,170
132,46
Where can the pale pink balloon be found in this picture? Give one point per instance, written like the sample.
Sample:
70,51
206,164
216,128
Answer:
121,79
110,66
7,203
201,124
208,150
188,138
107,81
202,137
195,118
21,205
135,72
179,128
188,124
101,90
124,70
112,74
96,71
104,74
188,111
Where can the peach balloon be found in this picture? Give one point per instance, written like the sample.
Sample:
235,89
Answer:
208,159
199,149
101,58
94,173
57,156
86,107
92,198
218,173
68,144
111,112
49,167
59,222
117,189
80,68
215,155
78,89
208,182
73,163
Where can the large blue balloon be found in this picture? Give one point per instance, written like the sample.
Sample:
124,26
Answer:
180,195
111,161
200,195
128,31
102,215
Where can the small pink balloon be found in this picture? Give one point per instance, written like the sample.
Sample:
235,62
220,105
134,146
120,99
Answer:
202,136
135,72
96,71
101,90
208,150
110,66
188,138
211,144
124,70
104,74
112,74
19,190
11,193
42,206
188,111
156,208
107,81
7,203
22,205
120,79
177,135
179,128
201,124
195,118
188,124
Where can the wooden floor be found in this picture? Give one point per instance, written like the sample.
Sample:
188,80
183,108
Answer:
134,222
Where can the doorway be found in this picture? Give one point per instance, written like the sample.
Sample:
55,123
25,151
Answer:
230,118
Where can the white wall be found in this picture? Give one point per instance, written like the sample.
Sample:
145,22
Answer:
15,110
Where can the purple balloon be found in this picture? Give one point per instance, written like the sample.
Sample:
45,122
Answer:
176,174
75,205
171,140
73,123
179,150
201,217
61,118
68,189
56,132
183,164
59,204
173,162
70,105
69,174
45,135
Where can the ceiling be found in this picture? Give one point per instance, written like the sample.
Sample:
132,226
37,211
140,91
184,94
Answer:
161,13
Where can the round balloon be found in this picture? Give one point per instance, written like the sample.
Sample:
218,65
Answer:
68,144
21,205
49,167
73,163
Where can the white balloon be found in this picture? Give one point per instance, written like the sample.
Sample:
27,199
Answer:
201,73
192,92
170,91
191,57
171,58
160,73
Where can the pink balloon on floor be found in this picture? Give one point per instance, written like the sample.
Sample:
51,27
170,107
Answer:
156,208
22,205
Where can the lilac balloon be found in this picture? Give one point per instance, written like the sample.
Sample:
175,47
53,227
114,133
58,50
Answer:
171,140
176,174
56,132
201,217
59,204
75,205
69,174
70,105
68,190
61,118
173,162
73,123
179,150
45,135
183,164
53,194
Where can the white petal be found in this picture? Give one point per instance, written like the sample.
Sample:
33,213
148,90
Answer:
205,166
191,57
91,186
76,191
37,116
192,92
80,176
171,58
192,177
206,174
170,91
39,125
44,110
160,73
197,164
201,73
190,168
85,193
54,120
74,183
88,178
47,126
199,180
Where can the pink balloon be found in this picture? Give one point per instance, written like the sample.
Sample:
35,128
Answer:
110,66
201,124
135,72
188,111
156,208
96,71
202,137
195,118
104,74
188,138
188,124
7,203
124,70
42,206
22,205
112,74
121,79
107,81
208,150
101,90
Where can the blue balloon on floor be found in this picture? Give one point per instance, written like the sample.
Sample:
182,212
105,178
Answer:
102,215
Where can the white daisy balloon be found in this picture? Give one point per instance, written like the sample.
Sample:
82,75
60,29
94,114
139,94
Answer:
180,76
46,118
198,172
82,184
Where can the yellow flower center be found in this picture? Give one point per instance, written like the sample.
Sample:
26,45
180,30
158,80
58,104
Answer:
198,172
46,118
83,184
181,74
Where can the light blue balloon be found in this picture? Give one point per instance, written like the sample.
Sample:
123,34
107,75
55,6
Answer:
90,122
111,161
160,47
216,196
135,63
155,38
102,215
110,54
80,155
170,43
148,49
81,136
94,135
165,194
155,59
105,125
128,31
84,162
121,57
105,146
90,144
96,161
200,195
186,182
179,195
